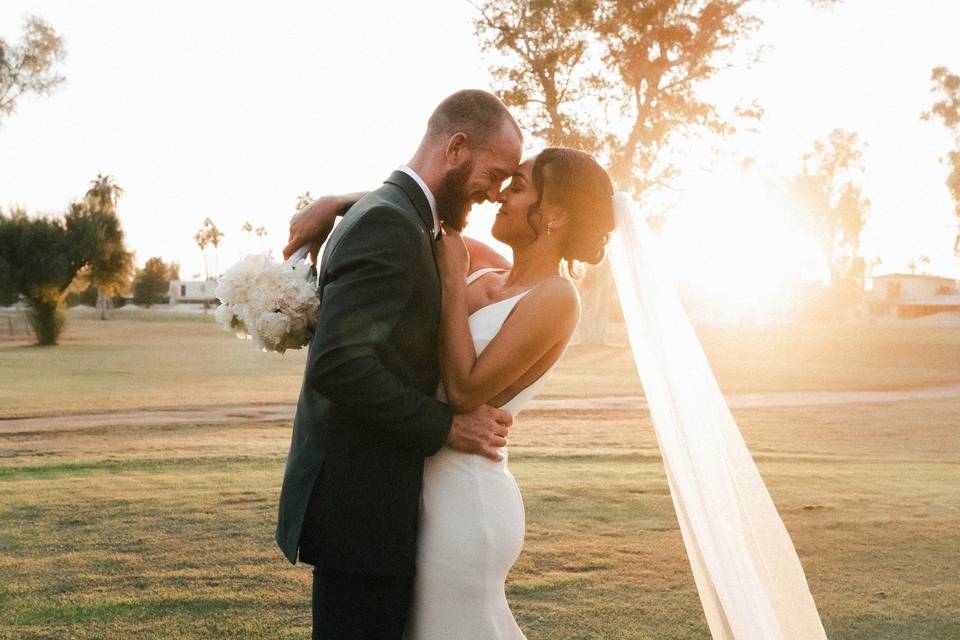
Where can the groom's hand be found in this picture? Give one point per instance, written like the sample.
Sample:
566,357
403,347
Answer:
482,431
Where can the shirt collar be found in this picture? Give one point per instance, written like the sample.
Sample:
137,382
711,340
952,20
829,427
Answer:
426,191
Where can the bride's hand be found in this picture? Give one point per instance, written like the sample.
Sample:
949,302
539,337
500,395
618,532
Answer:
311,226
452,257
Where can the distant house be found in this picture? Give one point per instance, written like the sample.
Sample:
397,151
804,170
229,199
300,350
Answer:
193,291
906,295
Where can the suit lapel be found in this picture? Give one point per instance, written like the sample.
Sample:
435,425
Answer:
416,196
419,200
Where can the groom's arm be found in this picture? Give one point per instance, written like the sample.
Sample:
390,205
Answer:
370,277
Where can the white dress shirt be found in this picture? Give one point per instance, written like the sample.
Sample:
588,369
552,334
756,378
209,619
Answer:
426,191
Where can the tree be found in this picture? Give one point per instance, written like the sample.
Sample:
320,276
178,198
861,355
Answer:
617,78
41,256
152,282
110,270
947,110
259,232
614,77
110,265
303,200
829,198
208,235
29,66
104,193
620,79
913,264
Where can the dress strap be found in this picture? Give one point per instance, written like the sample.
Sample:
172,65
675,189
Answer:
476,275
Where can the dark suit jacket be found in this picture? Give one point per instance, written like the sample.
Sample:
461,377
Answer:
367,417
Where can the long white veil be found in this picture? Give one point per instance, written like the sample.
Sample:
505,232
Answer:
745,566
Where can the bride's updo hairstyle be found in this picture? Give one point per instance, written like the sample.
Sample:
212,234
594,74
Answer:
575,182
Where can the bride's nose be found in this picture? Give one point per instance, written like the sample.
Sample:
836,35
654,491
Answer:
502,196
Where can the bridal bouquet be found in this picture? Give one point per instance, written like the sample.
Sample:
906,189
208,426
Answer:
275,305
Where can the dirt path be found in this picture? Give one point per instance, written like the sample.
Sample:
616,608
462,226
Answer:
273,412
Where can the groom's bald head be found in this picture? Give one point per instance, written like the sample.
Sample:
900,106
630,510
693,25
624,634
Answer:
478,114
471,146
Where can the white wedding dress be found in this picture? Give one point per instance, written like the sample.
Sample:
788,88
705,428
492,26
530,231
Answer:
471,526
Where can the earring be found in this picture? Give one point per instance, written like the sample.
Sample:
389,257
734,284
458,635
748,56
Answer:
549,229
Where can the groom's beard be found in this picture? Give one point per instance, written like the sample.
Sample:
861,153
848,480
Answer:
453,201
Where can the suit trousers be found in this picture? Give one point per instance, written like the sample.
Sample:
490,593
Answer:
349,606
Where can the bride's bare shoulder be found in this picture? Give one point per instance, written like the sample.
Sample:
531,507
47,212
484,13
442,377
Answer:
483,256
556,298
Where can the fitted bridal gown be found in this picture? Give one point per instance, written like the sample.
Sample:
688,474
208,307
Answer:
471,526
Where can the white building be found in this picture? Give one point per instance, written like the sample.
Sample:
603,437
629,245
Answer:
194,291
905,295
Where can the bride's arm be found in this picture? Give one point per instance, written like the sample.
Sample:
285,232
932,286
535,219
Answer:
550,314
312,224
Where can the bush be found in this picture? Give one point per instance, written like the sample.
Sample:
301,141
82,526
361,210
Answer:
46,316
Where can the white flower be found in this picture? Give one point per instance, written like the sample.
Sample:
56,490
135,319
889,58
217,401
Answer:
274,305
273,328
224,315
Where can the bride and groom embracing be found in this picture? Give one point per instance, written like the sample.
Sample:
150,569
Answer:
399,493
396,487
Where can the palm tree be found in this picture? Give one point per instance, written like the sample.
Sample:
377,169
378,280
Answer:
200,237
259,232
111,272
208,235
104,193
303,200
248,228
214,236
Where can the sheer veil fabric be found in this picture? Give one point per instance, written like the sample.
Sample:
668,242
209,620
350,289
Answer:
744,564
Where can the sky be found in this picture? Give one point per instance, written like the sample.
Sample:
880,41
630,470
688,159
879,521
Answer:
232,109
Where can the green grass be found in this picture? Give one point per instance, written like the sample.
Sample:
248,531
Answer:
166,532
132,363
150,360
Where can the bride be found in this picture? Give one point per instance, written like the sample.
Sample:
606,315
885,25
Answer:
503,329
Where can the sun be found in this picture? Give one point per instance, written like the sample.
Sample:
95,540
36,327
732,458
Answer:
734,238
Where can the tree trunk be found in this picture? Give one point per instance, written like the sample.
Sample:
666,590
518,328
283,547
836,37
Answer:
102,303
596,291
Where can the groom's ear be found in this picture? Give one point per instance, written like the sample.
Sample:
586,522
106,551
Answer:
457,151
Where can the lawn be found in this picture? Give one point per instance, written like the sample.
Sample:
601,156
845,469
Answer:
150,360
167,531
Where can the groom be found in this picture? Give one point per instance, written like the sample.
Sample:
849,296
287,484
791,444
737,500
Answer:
367,417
